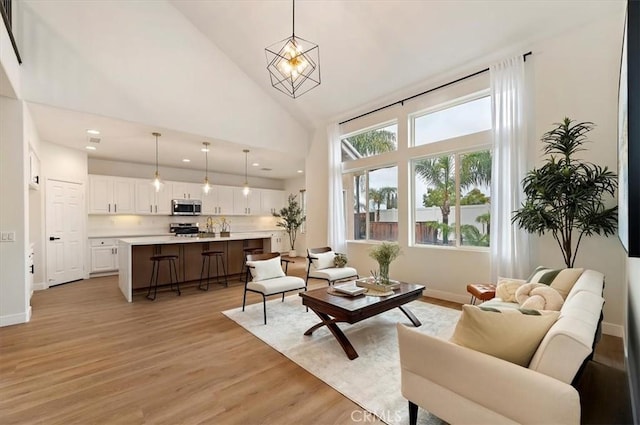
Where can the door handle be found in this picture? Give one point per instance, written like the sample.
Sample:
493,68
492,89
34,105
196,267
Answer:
32,269
156,208
53,238
109,207
115,207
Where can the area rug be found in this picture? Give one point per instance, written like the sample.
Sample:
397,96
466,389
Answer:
373,379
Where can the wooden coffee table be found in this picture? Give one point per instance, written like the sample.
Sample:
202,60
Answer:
334,308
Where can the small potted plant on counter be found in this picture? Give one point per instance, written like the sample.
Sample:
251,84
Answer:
291,218
225,227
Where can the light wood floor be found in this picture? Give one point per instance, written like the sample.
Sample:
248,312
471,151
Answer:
89,357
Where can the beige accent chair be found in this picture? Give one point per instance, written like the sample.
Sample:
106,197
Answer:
268,278
317,270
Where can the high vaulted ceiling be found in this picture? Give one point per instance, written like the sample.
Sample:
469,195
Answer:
198,67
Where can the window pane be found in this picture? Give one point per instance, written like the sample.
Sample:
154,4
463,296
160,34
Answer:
359,206
475,191
383,204
460,120
434,184
372,142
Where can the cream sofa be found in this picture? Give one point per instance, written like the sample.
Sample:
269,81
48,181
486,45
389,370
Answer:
463,386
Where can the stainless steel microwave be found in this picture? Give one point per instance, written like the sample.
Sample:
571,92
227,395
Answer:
186,207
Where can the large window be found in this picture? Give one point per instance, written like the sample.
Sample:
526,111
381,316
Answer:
459,120
421,174
451,205
370,142
375,204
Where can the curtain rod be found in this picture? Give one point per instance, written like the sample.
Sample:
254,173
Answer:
401,102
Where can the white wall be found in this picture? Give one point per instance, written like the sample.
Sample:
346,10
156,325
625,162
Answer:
144,171
317,183
574,74
61,163
92,51
14,211
294,186
36,204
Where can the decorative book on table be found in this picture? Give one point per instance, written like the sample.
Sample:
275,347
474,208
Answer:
350,289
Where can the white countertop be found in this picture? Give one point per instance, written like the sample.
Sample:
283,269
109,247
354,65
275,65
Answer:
121,235
129,235
161,240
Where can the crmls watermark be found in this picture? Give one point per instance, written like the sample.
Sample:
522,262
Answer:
364,416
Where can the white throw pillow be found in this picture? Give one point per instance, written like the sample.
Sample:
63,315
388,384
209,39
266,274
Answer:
265,269
507,287
323,260
539,296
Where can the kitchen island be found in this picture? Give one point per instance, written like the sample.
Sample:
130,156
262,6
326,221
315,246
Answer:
135,266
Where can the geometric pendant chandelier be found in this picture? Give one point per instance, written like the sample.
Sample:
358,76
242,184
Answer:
293,64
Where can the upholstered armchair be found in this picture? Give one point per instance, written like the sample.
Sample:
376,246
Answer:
268,278
321,266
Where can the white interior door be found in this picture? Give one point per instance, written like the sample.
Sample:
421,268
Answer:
64,226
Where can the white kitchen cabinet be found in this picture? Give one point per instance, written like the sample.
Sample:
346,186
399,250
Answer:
148,201
247,205
272,201
218,201
34,170
104,255
182,190
279,242
111,195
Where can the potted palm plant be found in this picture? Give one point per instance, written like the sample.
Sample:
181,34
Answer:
565,196
291,218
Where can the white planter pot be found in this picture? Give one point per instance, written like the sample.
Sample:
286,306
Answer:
292,253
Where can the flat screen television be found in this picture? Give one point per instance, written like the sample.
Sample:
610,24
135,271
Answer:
629,134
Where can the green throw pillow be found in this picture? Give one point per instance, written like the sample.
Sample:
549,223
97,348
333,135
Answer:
543,275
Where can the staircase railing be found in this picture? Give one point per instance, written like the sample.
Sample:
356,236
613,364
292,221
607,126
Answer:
5,10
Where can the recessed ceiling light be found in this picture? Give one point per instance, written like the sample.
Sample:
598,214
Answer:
186,160
91,148
96,132
300,171
255,164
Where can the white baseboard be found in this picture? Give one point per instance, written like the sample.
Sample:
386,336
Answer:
447,296
40,286
15,319
613,329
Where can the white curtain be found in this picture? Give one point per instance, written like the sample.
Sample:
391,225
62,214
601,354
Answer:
335,212
509,244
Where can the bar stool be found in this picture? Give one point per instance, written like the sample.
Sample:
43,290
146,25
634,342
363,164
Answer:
155,271
249,251
219,258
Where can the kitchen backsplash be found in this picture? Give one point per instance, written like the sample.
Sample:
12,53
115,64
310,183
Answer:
138,225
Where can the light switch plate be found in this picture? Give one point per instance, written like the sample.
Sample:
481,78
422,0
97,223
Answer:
7,236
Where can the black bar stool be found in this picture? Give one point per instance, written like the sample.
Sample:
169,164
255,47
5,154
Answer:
219,258
155,269
249,251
